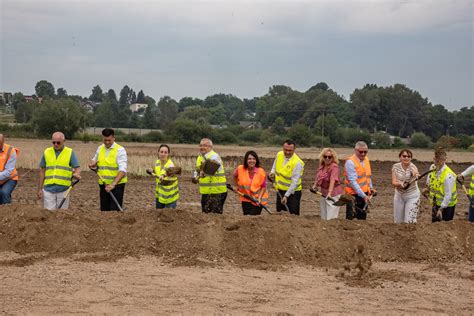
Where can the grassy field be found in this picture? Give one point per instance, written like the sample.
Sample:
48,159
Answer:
143,155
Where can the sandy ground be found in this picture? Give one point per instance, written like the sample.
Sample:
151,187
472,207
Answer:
149,286
148,262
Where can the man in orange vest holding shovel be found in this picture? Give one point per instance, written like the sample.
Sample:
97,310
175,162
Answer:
8,173
358,181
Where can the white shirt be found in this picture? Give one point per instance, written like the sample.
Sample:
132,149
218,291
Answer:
448,185
295,175
121,156
468,172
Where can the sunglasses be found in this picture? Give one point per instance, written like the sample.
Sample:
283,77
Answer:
56,143
362,151
406,156
327,157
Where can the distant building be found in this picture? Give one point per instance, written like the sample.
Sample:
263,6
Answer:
137,106
89,105
6,97
31,98
250,125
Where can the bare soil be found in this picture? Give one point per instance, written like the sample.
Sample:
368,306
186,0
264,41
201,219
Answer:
182,261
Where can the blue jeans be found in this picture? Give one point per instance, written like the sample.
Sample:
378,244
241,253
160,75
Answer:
170,205
6,190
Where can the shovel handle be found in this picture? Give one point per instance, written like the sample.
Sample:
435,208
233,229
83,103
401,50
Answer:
110,192
73,183
229,186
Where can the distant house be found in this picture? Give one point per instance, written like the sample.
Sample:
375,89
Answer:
89,105
137,106
6,97
31,98
250,125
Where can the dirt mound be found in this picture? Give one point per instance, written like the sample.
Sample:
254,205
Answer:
183,237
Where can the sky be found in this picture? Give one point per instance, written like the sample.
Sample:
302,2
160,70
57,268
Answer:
198,48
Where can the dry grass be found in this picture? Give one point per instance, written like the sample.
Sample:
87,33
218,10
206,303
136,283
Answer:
142,156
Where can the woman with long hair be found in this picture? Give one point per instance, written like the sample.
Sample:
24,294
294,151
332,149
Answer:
328,181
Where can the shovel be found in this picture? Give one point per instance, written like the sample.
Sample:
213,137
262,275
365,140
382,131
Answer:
110,192
162,182
407,184
343,199
278,192
249,198
465,191
73,183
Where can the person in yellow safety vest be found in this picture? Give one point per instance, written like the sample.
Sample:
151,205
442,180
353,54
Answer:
110,159
441,185
166,195
358,181
287,173
250,179
58,166
212,188
466,173
8,173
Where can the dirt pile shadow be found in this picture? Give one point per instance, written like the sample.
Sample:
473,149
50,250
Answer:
188,238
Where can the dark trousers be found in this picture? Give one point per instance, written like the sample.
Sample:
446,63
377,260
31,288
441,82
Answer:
293,202
213,203
447,213
6,190
250,209
356,209
106,202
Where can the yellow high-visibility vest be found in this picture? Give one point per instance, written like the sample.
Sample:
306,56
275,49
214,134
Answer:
108,166
58,170
283,172
437,187
215,184
166,194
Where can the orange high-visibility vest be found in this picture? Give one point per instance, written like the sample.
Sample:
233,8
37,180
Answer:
364,174
251,187
4,157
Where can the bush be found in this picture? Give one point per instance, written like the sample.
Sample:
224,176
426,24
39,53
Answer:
301,135
153,137
465,141
316,141
381,140
448,142
251,136
349,136
419,140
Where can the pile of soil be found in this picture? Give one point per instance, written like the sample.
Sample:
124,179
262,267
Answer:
183,237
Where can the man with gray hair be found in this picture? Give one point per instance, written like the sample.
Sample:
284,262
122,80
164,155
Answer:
58,166
358,181
212,187
8,173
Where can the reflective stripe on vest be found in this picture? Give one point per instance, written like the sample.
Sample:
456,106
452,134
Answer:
58,170
471,186
251,187
4,157
283,172
107,165
169,193
215,184
437,187
364,174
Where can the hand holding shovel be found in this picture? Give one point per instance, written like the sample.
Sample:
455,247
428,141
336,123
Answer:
271,178
251,198
68,191
110,192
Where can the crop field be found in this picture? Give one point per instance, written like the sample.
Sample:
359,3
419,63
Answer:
145,261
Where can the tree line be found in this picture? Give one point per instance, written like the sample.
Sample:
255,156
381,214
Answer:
317,116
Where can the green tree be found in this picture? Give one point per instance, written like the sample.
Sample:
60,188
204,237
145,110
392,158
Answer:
300,134
381,140
168,110
141,97
63,115
97,94
44,88
112,96
151,117
186,131
419,140
61,93
125,96
24,111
